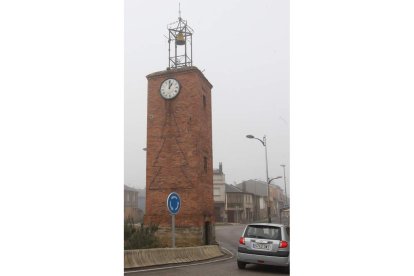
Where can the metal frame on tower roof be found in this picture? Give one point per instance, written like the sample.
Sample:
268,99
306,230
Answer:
180,35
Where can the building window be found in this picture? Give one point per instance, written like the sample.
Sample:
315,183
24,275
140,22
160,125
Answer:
216,191
204,101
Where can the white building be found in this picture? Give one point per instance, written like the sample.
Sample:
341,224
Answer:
219,193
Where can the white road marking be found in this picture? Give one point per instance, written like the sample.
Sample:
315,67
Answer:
184,265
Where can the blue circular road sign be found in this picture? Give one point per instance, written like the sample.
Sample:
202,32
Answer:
173,203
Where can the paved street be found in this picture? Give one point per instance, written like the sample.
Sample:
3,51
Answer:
227,236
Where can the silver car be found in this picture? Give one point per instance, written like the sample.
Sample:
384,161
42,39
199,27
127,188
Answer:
264,244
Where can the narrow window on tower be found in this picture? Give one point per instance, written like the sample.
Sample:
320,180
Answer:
205,164
204,101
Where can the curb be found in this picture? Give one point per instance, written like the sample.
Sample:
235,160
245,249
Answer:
160,256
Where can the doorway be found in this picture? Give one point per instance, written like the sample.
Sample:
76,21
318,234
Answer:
206,233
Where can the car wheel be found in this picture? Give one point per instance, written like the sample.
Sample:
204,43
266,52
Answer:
241,265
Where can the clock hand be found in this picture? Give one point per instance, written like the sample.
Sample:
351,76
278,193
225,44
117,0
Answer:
170,85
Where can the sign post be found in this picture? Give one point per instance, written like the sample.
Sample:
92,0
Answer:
173,205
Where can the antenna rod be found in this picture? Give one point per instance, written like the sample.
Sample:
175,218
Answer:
179,10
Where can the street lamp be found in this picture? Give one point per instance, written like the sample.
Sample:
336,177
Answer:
284,176
267,174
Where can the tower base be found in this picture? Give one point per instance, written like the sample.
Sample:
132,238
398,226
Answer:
185,235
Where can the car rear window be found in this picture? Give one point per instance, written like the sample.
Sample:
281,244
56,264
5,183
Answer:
263,232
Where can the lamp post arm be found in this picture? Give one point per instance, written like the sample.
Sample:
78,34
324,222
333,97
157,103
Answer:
270,180
261,141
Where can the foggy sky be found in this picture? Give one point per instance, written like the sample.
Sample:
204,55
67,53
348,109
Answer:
243,49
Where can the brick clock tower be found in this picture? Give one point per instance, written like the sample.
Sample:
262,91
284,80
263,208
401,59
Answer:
179,145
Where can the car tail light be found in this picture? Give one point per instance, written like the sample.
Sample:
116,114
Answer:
283,244
241,240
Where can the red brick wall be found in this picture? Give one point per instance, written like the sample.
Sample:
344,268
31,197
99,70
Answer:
179,137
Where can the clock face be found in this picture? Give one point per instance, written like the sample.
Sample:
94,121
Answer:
169,88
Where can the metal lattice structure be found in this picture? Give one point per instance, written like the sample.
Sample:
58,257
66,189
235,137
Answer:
180,44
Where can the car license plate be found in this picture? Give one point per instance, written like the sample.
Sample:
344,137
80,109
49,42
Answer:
261,246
